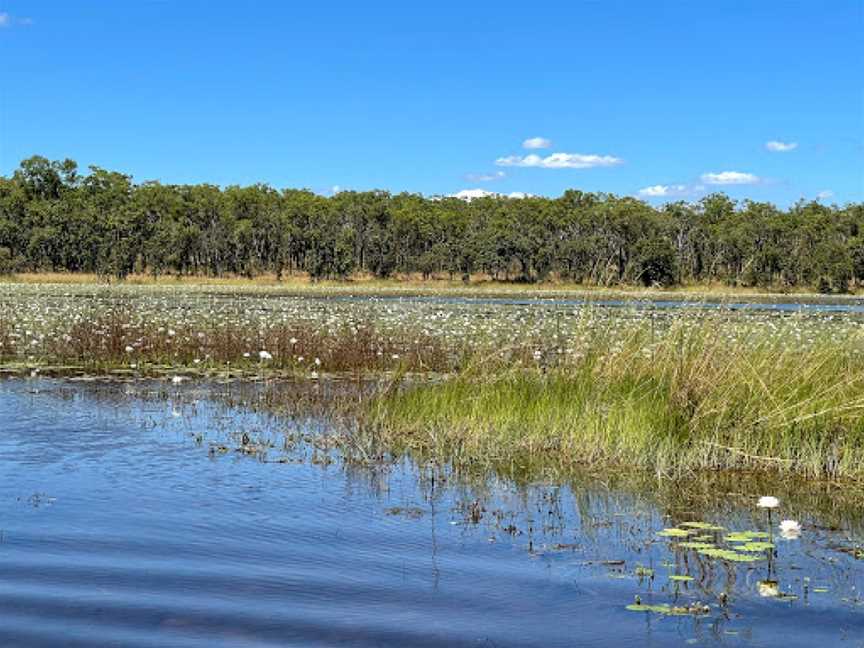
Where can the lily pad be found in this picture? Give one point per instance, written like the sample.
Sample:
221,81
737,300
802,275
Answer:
674,533
756,546
705,526
745,536
696,545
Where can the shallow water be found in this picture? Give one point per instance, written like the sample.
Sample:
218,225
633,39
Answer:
129,518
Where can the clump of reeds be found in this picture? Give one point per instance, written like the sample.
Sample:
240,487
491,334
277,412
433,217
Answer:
691,399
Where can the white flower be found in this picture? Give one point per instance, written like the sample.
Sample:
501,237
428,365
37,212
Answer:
768,588
318,362
265,355
767,501
790,529
177,379
314,375
293,340
246,355
129,349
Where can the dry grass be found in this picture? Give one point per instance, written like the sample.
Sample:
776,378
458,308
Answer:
413,283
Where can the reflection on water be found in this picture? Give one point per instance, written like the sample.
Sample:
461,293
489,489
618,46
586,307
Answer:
137,514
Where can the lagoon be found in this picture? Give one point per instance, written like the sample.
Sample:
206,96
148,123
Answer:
136,513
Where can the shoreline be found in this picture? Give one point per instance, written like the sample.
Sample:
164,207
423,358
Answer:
298,285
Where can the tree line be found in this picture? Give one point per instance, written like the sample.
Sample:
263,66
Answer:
52,217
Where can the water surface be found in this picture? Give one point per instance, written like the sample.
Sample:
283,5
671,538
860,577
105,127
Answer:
129,518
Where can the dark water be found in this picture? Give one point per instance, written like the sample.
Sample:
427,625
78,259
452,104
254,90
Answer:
128,518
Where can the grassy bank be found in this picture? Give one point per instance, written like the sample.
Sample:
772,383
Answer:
691,400
415,284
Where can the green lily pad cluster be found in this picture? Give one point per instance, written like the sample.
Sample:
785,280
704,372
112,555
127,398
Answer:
704,538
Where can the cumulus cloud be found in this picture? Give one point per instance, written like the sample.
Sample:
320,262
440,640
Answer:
665,191
825,194
472,194
485,177
730,178
781,147
559,161
536,143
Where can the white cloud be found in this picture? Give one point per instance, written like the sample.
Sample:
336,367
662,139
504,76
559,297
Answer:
730,178
662,191
559,161
825,194
781,147
485,177
472,194
7,20
536,143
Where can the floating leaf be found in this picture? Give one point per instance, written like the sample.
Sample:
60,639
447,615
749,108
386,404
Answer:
705,526
756,546
680,578
745,536
696,545
639,607
674,533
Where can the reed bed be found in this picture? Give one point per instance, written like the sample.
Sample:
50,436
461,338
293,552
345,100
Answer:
690,399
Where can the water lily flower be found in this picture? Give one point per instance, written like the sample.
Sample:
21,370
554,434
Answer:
768,588
265,355
129,349
790,529
768,502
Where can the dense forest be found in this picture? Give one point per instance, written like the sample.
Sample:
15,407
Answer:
52,217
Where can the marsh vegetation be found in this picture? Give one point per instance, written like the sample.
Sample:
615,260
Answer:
670,388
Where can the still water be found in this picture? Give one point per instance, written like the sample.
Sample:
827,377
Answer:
128,517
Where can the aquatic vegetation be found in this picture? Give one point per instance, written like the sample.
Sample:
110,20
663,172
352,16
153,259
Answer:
790,529
509,382
690,401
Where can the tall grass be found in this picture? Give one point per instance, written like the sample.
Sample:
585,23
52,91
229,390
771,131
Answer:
694,398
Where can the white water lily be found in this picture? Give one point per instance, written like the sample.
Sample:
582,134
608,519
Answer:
265,355
790,529
768,588
768,501
129,349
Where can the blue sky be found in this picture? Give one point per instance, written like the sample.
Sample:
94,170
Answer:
667,98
